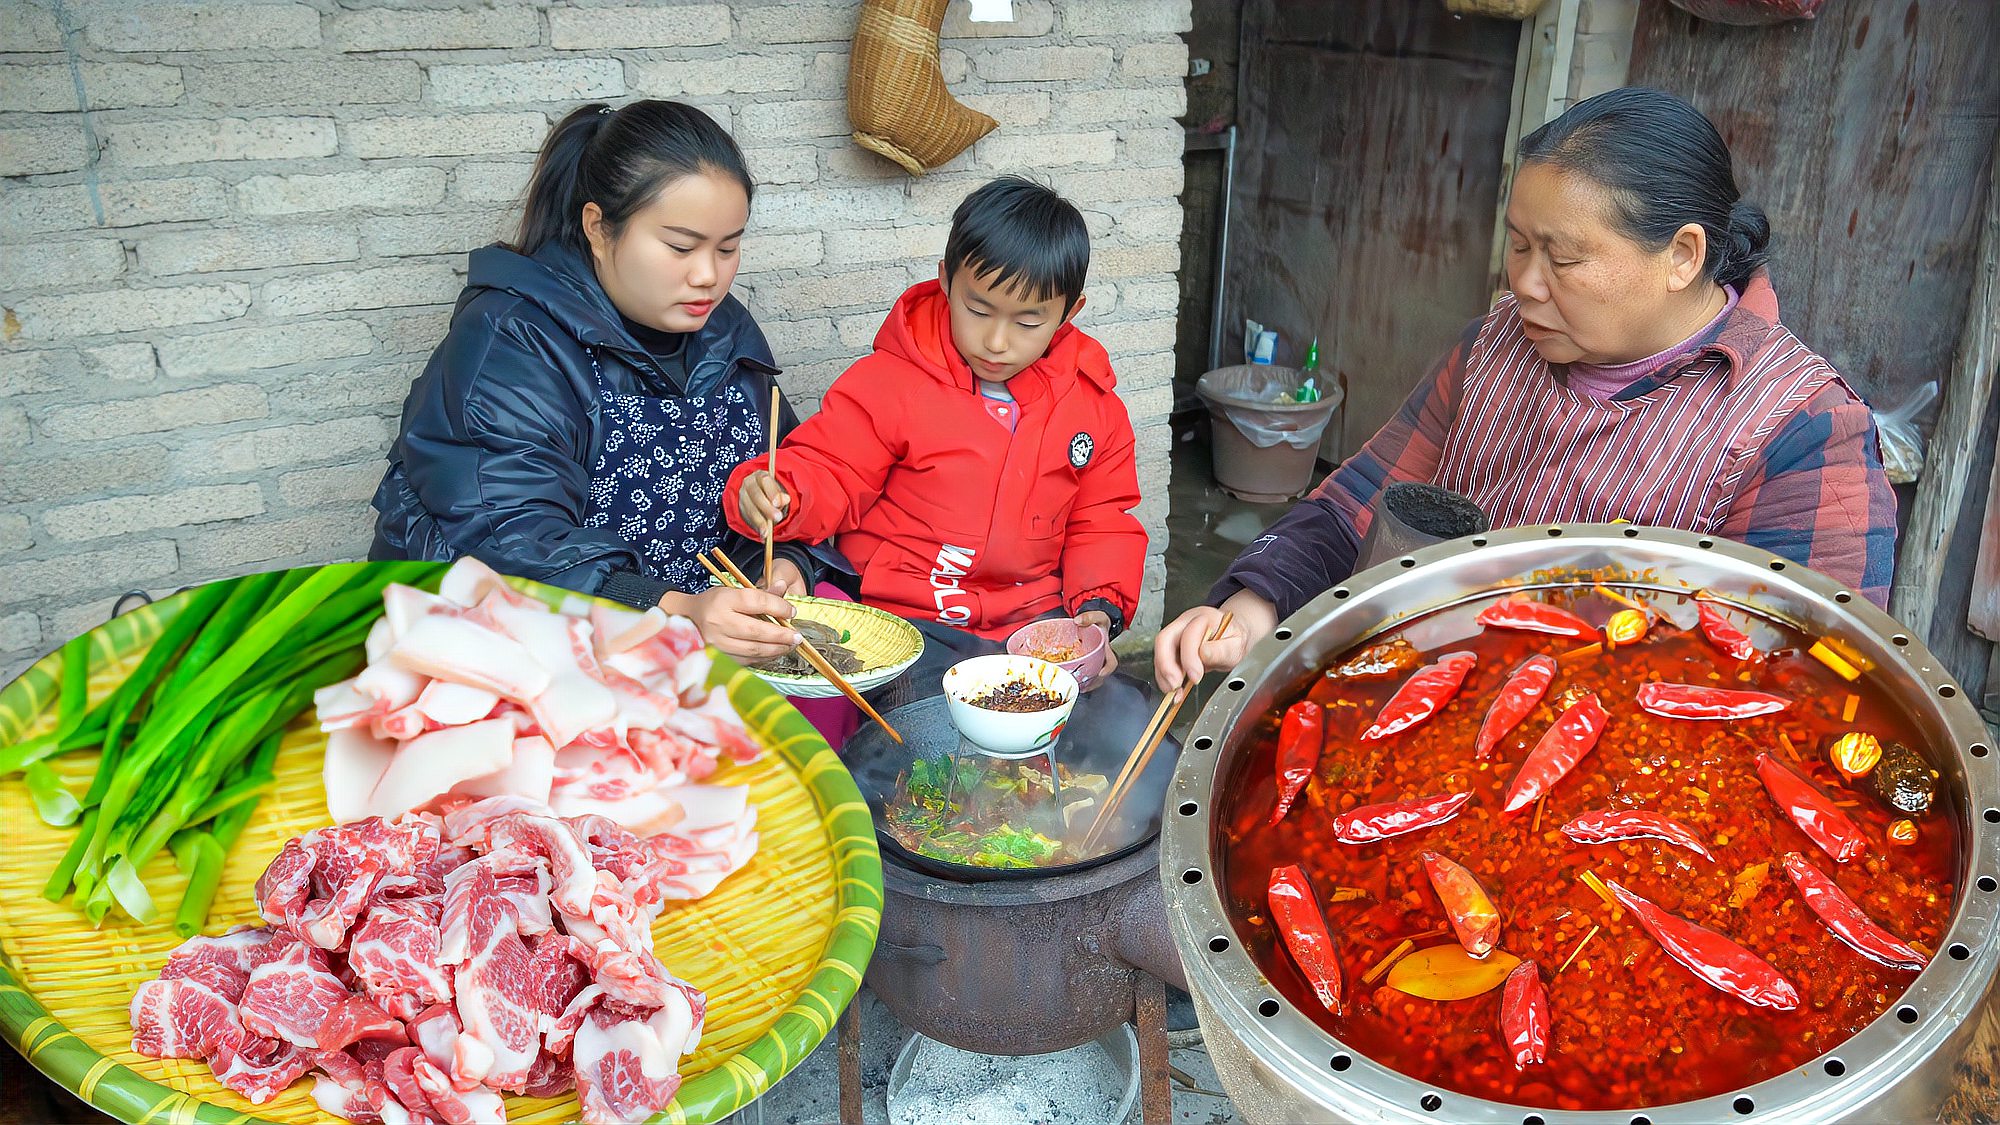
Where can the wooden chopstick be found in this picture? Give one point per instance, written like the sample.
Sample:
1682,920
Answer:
771,524
1142,753
736,577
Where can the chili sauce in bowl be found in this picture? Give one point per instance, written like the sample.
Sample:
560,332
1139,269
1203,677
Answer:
1663,915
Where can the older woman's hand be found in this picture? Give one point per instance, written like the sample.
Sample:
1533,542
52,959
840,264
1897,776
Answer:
1182,653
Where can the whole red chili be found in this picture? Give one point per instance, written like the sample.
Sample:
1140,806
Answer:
1295,910
1301,736
1421,695
1371,823
1517,697
1524,1015
1693,701
1846,919
1727,638
1813,811
1608,826
1712,957
1561,748
1524,613
1471,910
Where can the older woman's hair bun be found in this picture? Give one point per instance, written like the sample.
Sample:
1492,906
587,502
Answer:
1664,165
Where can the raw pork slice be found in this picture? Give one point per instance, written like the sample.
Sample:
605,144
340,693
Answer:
295,997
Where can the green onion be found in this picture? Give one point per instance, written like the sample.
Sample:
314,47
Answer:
201,857
75,695
56,805
131,893
59,880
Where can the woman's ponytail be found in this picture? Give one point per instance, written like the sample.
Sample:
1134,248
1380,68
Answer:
620,160
554,209
1745,246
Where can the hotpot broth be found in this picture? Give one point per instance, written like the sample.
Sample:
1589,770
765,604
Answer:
1631,1026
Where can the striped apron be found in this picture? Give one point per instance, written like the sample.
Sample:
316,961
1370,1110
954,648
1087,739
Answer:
1528,449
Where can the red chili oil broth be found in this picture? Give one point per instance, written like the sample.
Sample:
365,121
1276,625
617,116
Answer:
1632,1027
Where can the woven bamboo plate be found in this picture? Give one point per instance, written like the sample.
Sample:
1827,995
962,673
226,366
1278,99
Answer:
886,644
779,948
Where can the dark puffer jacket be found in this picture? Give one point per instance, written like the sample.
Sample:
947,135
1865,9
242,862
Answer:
501,429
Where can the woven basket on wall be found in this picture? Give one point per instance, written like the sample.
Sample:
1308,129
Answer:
896,97
1498,9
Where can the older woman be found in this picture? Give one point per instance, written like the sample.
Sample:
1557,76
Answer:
1637,370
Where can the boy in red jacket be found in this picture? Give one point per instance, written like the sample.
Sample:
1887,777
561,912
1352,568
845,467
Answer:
977,468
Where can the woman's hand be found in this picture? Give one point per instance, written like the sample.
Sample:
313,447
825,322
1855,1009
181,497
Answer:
1102,620
727,618
762,500
1183,654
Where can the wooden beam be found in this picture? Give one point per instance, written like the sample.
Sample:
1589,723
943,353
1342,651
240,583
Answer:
1984,617
1968,395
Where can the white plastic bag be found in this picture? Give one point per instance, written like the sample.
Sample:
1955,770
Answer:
1257,400
1902,442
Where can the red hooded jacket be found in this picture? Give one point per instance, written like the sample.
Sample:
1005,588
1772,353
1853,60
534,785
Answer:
947,515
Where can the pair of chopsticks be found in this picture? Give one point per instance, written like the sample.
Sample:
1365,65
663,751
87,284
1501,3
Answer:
771,525
1142,753
729,575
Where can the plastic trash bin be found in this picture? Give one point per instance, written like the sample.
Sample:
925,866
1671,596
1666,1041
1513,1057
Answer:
1264,448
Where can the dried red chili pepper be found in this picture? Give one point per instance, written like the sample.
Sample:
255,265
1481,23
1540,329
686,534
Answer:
1726,637
1371,823
1524,1015
1813,811
1561,748
1693,701
1712,957
1421,695
1390,658
1846,919
1524,613
1301,736
1300,923
1517,697
1473,915
1608,826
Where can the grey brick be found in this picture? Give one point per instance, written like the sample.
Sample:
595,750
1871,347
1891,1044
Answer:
246,248
380,29
13,427
679,25
796,165
52,89
118,515
869,288
251,451
15,534
801,250
825,208
811,22
1089,107
122,363
1158,223
1136,261
791,118
455,232
1154,60
40,210
31,25
129,310
1126,19
124,565
47,265
336,191
417,330
299,82
20,632
793,339
379,288
142,144
341,534
896,244
1014,152
545,80
1149,296
341,393
463,134
40,149
1014,109
172,410
1118,185
89,475
237,350
857,330
1032,18
350,485
201,27
491,183
35,373
743,75
1042,64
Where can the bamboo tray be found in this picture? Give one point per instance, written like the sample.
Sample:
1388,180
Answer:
779,948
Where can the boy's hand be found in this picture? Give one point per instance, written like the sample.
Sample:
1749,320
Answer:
786,580
763,500
1102,620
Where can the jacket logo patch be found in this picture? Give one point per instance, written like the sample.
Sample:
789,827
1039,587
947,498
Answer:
1080,448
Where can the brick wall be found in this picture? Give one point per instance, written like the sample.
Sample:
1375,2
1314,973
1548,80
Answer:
221,273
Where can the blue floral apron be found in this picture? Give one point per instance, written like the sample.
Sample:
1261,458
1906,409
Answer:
660,473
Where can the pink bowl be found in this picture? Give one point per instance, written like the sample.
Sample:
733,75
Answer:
1040,637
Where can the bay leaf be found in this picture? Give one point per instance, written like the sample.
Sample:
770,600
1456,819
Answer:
1448,972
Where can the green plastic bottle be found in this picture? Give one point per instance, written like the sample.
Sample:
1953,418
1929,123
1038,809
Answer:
1309,371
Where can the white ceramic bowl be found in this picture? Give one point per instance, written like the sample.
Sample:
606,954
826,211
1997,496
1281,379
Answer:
1007,734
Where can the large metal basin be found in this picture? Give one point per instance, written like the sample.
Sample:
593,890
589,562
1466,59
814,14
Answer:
1280,1066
